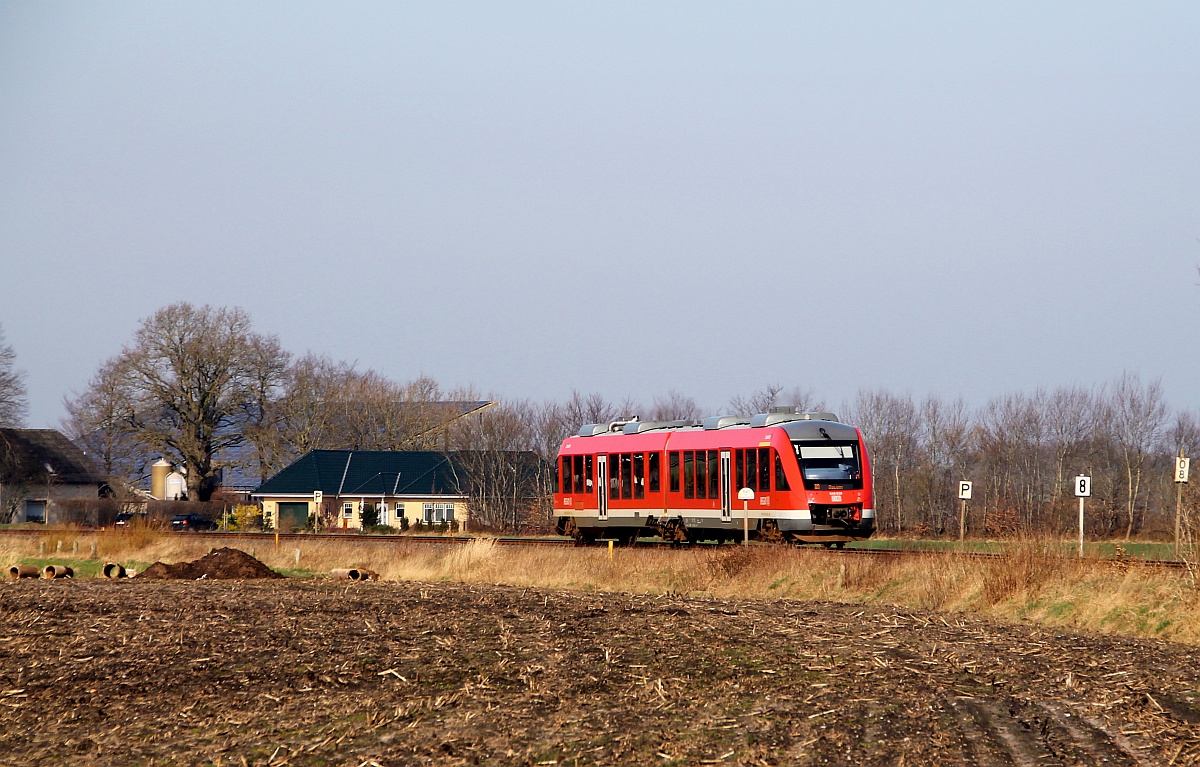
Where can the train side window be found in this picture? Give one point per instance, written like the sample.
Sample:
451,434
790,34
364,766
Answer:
781,482
673,467
639,475
751,469
626,475
764,470
714,474
739,460
562,473
614,476
689,474
588,481
653,470
701,474
577,474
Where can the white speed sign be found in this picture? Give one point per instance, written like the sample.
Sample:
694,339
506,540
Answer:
1083,486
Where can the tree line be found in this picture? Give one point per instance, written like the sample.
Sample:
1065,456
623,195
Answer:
199,385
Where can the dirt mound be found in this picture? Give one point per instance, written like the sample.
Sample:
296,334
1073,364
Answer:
224,563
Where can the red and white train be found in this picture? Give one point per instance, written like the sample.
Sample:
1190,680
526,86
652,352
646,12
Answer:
809,474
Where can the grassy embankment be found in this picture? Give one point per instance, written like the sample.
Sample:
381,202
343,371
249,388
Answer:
1148,550
1035,583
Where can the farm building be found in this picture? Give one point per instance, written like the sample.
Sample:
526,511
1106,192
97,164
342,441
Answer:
335,485
41,471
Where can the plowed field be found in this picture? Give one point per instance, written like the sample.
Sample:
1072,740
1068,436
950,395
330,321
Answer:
318,672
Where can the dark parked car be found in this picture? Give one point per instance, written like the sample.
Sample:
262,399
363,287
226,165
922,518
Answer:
124,519
195,522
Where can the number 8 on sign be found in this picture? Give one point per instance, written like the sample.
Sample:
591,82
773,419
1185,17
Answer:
1083,486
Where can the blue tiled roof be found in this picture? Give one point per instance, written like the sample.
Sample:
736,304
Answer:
367,472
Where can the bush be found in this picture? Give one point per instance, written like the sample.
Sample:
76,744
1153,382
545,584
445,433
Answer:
247,517
370,516
403,524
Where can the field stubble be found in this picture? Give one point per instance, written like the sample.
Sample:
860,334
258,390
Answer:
1035,583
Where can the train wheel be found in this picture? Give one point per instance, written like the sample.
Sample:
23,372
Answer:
770,532
673,530
572,529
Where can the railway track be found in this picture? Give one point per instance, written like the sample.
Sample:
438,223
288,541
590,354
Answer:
451,540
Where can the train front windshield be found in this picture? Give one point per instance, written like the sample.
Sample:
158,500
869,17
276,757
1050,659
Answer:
829,466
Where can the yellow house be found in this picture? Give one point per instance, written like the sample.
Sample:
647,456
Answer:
332,487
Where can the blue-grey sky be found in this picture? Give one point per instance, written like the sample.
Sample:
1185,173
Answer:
953,198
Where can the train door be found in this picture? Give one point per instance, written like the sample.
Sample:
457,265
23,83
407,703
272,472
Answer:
726,497
602,486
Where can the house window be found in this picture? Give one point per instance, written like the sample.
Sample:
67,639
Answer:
35,511
347,510
437,513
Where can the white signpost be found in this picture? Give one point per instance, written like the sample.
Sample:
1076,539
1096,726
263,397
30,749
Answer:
1181,477
1083,489
964,495
745,495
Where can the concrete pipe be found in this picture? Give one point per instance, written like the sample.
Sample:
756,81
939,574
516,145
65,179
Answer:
23,571
344,574
52,572
113,570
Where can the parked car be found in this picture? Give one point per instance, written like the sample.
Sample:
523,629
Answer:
124,519
193,522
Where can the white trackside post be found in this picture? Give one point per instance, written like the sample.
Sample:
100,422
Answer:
745,495
1083,489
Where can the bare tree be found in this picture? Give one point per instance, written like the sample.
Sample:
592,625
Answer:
503,477
674,407
591,408
189,378
945,431
1070,416
759,401
890,425
1136,418
13,402
100,422
267,370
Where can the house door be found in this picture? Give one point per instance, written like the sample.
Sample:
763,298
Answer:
291,516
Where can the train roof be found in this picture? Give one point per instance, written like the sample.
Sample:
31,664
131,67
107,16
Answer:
797,425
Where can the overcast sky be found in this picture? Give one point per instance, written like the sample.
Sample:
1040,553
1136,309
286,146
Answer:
962,199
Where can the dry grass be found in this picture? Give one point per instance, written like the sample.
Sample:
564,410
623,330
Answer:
1037,583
